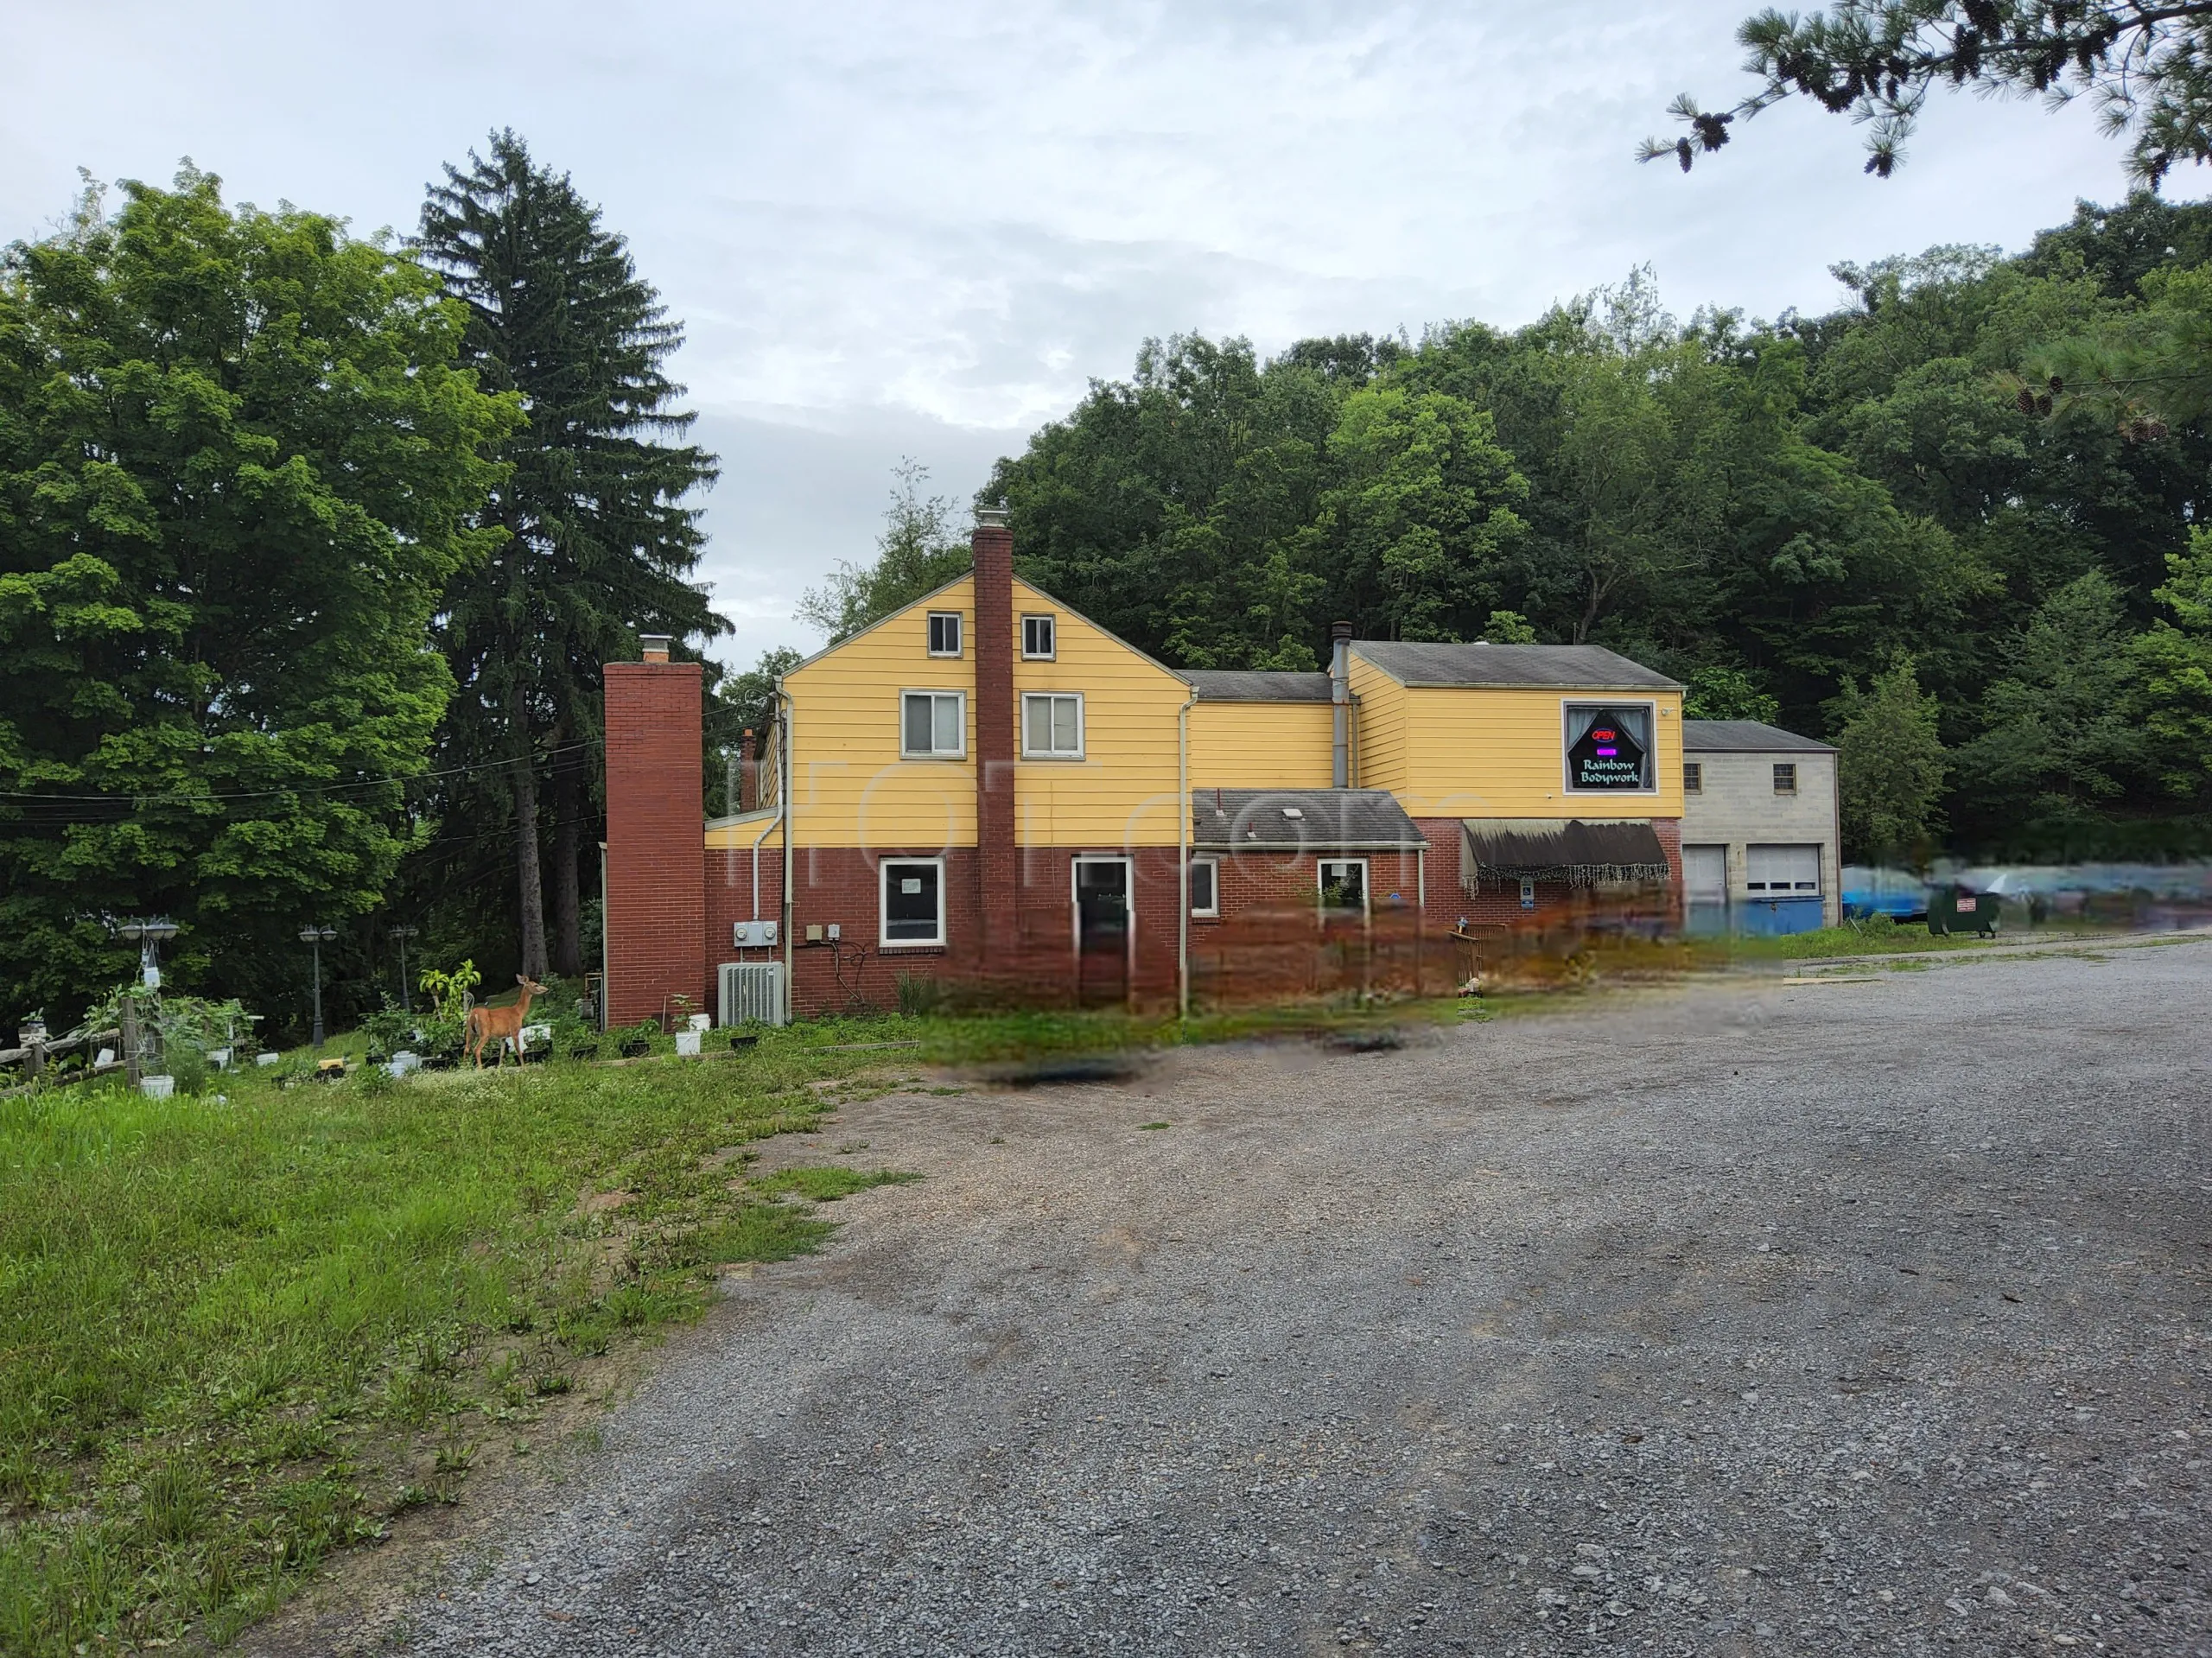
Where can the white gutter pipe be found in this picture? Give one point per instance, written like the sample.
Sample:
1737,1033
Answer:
1183,855
783,798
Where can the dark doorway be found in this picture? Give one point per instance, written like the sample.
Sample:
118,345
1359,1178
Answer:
1102,930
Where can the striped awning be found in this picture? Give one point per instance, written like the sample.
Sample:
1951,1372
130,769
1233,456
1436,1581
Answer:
1581,852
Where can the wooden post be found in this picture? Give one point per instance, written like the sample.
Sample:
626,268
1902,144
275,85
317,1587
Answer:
35,1059
127,1038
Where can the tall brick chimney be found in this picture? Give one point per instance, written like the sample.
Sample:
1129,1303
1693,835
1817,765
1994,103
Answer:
995,712
656,921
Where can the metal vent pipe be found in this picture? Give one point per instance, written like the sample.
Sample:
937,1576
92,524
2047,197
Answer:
1340,701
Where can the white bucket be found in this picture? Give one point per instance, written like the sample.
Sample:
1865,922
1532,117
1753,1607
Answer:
702,1021
267,1059
403,1062
157,1088
220,1058
533,1033
687,1042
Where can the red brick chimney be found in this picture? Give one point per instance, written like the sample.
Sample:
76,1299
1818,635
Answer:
656,921
995,851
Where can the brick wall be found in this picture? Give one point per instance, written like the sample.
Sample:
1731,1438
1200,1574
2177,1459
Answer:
655,902
994,874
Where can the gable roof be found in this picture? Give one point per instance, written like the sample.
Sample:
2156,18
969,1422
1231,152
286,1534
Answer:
1250,685
1326,820
968,574
1746,737
1518,667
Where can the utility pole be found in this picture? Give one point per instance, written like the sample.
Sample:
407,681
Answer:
318,937
402,935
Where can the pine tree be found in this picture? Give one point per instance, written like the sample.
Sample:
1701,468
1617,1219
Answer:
602,540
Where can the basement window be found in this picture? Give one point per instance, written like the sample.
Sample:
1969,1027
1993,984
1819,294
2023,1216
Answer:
944,633
1052,727
914,902
1037,641
932,725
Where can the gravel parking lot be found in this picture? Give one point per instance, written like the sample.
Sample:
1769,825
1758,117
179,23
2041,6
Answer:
1737,1318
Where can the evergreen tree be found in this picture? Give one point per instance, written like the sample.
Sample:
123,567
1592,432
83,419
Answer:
602,531
2176,657
1889,766
2063,727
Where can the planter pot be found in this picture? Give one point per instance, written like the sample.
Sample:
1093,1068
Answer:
584,1050
740,1043
157,1088
635,1049
686,1044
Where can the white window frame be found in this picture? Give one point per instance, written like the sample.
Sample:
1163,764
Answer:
1567,706
883,938
1052,653
1791,768
1212,911
906,753
1692,776
1322,866
1081,735
959,634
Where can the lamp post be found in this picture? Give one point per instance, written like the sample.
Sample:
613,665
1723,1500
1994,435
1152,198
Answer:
317,937
402,935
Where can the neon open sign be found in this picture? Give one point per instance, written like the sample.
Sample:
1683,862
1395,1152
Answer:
1607,755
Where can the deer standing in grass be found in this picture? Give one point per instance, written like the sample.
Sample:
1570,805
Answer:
499,1024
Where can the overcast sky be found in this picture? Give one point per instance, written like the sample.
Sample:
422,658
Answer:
919,229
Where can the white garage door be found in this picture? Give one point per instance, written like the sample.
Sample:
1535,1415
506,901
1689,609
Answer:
1776,869
1705,873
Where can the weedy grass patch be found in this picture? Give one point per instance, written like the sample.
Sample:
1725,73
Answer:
238,1330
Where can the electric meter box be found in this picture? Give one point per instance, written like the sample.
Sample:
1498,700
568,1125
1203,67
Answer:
752,935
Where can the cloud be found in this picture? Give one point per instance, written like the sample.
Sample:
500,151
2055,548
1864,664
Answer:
899,230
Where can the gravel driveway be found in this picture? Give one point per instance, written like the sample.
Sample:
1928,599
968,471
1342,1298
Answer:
1742,1318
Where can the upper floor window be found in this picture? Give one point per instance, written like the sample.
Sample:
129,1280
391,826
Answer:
1608,748
1039,637
944,633
932,725
1052,727
1785,777
1693,777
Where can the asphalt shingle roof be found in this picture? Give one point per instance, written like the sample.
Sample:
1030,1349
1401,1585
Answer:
1323,819
1250,685
1745,737
1563,667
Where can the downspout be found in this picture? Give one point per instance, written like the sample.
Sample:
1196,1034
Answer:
783,798
766,829
1340,705
604,980
1183,855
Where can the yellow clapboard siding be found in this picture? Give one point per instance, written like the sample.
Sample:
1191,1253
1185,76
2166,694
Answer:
1381,703
1122,792
1261,745
1490,753
850,787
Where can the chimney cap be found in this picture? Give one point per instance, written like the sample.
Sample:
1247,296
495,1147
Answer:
654,646
992,516
1339,630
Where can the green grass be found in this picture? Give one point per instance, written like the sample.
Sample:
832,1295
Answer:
827,1185
236,1334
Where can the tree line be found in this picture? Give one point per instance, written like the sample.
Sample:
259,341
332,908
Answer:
312,544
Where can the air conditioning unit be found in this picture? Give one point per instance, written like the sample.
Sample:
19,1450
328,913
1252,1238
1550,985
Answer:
751,992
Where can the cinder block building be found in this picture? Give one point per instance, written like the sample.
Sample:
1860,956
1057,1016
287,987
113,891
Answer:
988,791
1762,843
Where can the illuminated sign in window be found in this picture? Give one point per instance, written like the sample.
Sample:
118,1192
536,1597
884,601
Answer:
1609,748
